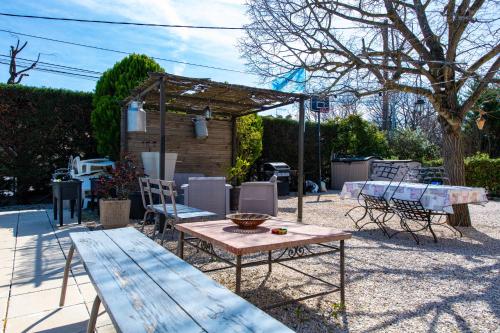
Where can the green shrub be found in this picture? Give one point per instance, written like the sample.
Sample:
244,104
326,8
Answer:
482,171
433,163
39,129
249,136
348,136
408,144
112,88
355,136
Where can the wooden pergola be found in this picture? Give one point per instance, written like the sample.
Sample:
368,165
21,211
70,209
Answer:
226,101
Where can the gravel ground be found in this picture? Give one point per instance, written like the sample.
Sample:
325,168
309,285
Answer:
393,285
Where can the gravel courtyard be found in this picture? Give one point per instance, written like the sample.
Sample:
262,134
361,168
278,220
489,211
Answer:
393,285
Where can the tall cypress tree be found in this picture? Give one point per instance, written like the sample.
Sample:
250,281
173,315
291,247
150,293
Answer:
115,85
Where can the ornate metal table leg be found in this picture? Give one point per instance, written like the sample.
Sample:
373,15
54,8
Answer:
238,274
342,275
66,274
93,315
180,245
269,262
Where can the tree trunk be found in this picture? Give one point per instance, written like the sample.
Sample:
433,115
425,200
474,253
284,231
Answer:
453,157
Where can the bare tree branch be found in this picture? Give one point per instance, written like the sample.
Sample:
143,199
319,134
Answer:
16,76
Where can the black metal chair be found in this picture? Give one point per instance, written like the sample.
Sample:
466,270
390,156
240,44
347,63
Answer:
376,207
413,216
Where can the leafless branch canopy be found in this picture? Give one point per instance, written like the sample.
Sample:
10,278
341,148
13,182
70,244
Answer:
341,45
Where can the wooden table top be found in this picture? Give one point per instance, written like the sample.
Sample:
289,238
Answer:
226,235
146,288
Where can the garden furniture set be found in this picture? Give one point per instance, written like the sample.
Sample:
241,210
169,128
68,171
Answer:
146,288
420,199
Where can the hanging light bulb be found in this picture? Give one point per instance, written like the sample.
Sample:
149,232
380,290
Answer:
480,120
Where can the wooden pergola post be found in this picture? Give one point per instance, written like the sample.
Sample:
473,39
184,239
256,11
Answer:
123,131
234,141
300,185
162,129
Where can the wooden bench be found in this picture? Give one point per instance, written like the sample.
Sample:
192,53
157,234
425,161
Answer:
145,288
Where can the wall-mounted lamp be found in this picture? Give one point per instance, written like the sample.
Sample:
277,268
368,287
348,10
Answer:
207,112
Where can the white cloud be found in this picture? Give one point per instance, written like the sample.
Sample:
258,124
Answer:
215,45
179,69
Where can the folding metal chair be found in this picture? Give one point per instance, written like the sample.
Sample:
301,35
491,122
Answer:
414,217
376,207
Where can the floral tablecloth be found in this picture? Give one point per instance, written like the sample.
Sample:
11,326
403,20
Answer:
436,197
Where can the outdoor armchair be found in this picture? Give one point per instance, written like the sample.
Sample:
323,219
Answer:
259,197
208,193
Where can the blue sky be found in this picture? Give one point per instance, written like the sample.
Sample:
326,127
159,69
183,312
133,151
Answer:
215,48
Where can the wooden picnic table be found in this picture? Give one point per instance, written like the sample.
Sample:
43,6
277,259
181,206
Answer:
146,288
301,241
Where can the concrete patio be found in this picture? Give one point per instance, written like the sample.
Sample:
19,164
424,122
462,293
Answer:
33,249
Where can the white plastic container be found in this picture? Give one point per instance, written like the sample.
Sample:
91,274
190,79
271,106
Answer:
151,164
200,127
136,117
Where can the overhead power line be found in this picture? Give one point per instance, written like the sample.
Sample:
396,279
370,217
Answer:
122,52
123,22
77,69
54,71
143,24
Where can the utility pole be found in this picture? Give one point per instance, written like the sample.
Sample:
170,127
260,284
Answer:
319,149
385,63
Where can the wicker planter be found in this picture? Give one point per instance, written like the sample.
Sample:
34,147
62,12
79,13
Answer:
114,213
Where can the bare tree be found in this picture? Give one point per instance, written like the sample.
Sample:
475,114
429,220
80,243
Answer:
371,46
405,115
15,75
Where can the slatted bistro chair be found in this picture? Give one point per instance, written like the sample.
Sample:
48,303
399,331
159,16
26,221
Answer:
147,200
428,175
377,208
174,213
412,214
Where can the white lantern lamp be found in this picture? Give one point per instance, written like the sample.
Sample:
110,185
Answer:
207,112
419,105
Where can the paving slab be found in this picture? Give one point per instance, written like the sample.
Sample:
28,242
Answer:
103,318
39,301
69,319
106,329
6,258
33,251
3,306
38,283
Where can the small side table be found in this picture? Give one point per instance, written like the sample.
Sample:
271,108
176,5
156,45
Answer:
67,190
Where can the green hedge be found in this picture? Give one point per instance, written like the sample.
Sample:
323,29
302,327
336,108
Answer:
39,129
349,136
480,171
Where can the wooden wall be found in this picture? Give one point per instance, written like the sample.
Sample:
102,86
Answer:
211,156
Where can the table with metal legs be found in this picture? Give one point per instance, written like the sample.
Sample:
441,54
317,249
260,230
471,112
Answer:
302,241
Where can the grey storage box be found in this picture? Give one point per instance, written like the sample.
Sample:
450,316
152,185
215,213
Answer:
350,169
